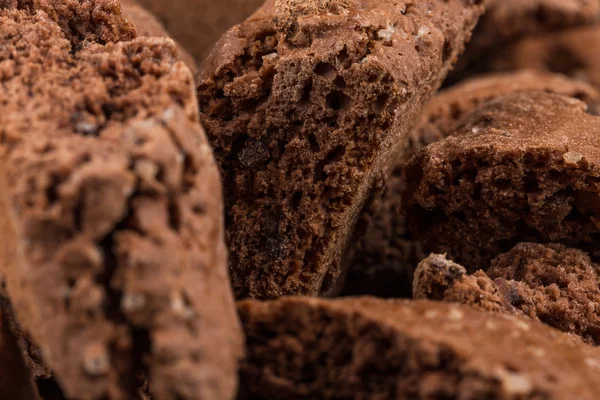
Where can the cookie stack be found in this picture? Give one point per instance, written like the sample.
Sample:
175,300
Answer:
433,165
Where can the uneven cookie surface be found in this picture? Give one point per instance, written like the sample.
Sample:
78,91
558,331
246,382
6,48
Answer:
147,24
304,105
551,283
522,168
111,212
388,253
301,348
198,24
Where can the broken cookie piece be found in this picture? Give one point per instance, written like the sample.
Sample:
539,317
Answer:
524,167
388,254
301,348
305,104
147,24
551,283
112,248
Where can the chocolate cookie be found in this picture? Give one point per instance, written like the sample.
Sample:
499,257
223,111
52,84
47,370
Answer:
15,378
198,24
506,21
147,24
571,52
90,21
388,254
364,348
551,283
305,103
522,168
112,243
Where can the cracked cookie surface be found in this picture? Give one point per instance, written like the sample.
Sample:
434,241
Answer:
304,105
388,253
551,283
301,348
112,215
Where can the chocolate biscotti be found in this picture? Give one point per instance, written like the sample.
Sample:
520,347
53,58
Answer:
198,24
112,243
524,167
365,348
147,24
388,254
305,104
551,283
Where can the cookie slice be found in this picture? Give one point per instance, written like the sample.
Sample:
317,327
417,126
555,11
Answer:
198,24
299,348
506,21
305,103
551,283
112,246
524,167
147,24
388,254
568,52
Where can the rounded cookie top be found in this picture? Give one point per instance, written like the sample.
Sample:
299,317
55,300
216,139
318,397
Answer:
372,348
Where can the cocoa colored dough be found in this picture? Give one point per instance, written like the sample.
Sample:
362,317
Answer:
112,244
198,24
305,103
571,52
524,167
148,25
366,348
551,283
388,254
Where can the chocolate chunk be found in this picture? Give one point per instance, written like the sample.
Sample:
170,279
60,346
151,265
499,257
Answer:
300,348
551,283
112,247
147,24
524,167
304,104
388,254
198,24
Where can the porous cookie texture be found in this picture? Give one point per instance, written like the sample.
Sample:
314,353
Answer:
506,21
300,348
388,253
305,104
15,378
147,24
568,52
523,167
554,284
81,21
112,244
198,24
